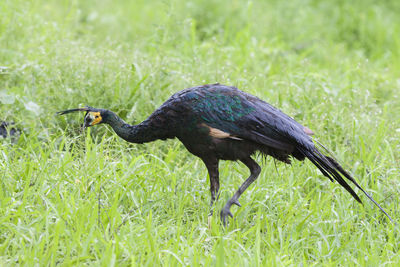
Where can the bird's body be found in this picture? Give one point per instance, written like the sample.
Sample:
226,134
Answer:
218,122
223,122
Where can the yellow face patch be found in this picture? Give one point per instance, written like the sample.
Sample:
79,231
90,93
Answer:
96,118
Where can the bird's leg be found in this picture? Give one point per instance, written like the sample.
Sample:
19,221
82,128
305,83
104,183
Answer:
212,167
255,170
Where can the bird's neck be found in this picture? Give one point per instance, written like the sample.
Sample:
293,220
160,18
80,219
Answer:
140,133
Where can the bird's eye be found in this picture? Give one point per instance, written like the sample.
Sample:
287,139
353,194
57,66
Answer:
97,116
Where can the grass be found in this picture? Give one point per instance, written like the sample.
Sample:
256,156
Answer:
69,197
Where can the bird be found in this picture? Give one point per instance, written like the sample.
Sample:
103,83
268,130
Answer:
7,129
219,122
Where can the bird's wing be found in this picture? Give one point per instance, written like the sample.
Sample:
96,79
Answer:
245,116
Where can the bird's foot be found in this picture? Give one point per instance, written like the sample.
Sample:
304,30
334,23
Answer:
225,212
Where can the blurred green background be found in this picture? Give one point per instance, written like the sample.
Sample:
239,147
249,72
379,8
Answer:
76,198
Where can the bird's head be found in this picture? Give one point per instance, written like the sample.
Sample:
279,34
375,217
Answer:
93,116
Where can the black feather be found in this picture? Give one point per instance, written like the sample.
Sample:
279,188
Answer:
328,167
332,169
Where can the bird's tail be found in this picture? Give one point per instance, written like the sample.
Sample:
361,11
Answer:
332,169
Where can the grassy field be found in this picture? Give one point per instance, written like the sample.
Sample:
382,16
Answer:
69,197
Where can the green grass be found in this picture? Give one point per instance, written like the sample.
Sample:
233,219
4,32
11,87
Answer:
69,197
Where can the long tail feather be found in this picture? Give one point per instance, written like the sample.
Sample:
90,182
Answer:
331,169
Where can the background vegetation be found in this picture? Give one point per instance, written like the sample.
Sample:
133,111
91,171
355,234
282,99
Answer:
89,198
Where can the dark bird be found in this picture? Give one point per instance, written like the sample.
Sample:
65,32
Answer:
217,122
7,129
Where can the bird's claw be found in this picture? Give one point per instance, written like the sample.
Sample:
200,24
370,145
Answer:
236,202
224,213
226,210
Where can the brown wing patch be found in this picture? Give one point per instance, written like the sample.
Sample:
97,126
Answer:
308,131
217,133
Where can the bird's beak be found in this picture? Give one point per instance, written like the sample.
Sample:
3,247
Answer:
89,116
72,110
92,116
